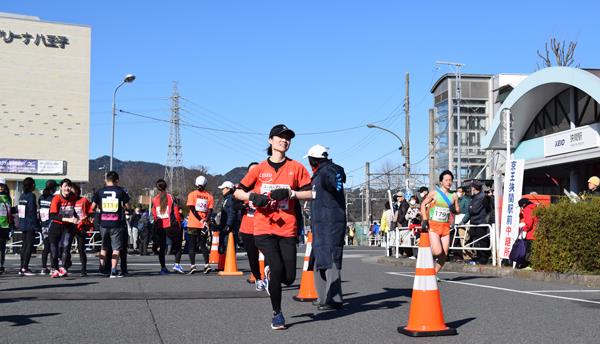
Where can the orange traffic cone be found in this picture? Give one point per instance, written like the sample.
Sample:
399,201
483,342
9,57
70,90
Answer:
221,265
214,249
261,264
426,317
307,290
231,260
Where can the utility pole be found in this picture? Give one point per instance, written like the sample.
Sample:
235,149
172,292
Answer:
407,135
174,172
368,193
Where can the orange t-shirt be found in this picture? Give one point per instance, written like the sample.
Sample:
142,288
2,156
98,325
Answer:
247,225
202,201
278,217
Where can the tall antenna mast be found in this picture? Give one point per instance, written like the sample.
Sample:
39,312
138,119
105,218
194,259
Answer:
174,172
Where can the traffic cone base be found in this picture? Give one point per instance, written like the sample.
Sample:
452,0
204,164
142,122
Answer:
230,260
426,317
214,249
307,290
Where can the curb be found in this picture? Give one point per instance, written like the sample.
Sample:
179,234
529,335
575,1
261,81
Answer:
575,279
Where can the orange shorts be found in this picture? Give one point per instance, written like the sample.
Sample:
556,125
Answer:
440,228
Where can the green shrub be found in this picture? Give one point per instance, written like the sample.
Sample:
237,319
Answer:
568,237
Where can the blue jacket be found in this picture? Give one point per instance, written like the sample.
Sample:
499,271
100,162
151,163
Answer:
328,215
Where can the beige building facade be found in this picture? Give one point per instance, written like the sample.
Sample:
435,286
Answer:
44,99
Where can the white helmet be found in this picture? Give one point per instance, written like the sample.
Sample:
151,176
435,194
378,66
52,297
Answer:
201,181
317,151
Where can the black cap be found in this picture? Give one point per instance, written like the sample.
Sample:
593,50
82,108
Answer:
281,129
477,185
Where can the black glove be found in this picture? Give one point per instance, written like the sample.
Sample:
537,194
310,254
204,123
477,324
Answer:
280,194
259,200
424,225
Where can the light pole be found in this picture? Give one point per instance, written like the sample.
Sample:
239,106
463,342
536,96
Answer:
402,148
128,79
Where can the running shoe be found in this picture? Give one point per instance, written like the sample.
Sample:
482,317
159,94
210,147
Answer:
114,273
45,272
266,279
54,274
2,270
164,271
260,285
278,322
207,269
20,273
122,274
177,268
62,272
83,274
193,269
26,272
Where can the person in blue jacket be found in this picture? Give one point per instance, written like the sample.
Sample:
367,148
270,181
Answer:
328,219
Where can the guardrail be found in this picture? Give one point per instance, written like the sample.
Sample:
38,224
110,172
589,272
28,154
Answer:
403,237
92,241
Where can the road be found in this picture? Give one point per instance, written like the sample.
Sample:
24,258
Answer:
149,308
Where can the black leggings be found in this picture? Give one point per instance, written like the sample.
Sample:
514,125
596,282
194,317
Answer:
3,239
81,239
160,240
280,252
27,248
56,234
197,238
252,251
46,251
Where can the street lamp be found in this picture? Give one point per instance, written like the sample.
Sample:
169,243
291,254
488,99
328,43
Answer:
402,148
128,79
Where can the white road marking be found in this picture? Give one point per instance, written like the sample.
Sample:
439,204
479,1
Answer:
505,289
566,291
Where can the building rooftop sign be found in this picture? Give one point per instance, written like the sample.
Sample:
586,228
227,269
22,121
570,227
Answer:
49,41
31,166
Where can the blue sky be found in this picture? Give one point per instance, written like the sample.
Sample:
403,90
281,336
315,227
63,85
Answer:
313,65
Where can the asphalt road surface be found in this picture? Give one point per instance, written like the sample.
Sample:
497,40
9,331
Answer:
149,308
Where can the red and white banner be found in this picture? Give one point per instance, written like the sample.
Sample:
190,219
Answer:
513,190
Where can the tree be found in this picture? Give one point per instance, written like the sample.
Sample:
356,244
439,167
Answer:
563,55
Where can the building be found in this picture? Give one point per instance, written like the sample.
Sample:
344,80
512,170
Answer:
44,99
555,122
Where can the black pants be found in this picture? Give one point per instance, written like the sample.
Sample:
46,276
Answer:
197,238
280,252
81,240
60,236
479,232
144,240
160,241
4,232
252,250
46,251
27,248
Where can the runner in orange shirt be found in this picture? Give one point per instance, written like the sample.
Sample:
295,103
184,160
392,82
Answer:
274,186
201,204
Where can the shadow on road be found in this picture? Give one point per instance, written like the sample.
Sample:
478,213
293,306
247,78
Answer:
466,278
23,320
359,304
459,323
47,286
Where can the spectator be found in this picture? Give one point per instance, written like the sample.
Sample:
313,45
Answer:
479,211
6,220
228,216
144,231
423,191
386,221
134,228
593,186
413,210
402,207
464,201
528,224
28,223
351,232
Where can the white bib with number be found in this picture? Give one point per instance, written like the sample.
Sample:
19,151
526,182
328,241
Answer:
21,210
441,214
202,205
44,214
266,188
160,215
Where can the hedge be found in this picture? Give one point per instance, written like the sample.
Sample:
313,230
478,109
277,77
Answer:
567,239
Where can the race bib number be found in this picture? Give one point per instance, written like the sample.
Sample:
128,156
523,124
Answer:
44,214
266,188
441,214
79,212
202,205
67,211
160,215
110,205
21,210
